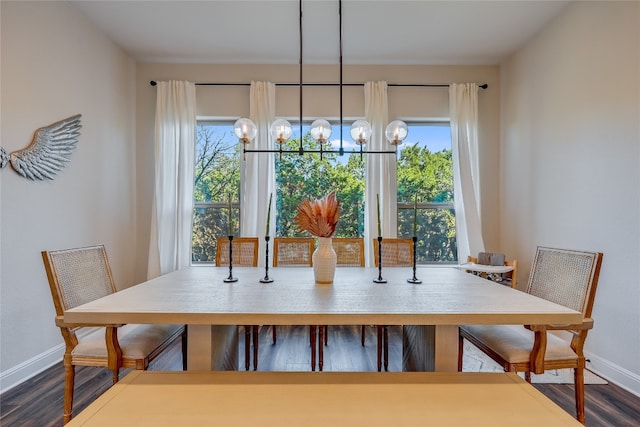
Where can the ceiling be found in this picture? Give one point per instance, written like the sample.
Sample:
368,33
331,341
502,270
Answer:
267,32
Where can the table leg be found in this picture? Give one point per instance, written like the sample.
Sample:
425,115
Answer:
446,351
430,348
212,348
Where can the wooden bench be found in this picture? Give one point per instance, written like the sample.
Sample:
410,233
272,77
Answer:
145,398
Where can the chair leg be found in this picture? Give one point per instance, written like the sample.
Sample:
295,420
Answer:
527,376
321,341
273,332
578,384
460,352
379,347
326,334
114,352
385,332
312,342
184,348
247,347
256,335
362,335
69,381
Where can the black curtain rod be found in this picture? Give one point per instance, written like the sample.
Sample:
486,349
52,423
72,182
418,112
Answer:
483,86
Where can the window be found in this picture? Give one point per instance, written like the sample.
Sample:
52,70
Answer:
216,181
425,172
308,176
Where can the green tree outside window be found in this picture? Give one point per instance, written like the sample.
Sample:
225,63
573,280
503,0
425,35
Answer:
422,173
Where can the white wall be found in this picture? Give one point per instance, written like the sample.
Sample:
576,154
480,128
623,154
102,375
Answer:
571,159
54,65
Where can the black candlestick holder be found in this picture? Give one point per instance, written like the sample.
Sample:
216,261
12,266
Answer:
380,279
414,279
231,278
266,278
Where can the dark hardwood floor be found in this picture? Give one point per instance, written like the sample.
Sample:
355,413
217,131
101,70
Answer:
38,401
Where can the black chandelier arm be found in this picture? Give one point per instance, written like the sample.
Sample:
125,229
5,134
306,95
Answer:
303,151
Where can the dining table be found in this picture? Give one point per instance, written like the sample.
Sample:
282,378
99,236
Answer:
430,312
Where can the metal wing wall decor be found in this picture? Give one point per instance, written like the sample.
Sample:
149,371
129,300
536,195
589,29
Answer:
4,158
48,152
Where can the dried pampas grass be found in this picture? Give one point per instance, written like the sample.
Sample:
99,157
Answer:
319,217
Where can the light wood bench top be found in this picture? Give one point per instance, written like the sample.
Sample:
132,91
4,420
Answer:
146,398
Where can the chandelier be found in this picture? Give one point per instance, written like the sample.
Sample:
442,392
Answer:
320,130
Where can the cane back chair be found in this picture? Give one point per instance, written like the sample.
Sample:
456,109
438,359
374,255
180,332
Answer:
349,253
293,251
245,251
565,277
78,276
296,252
245,254
396,252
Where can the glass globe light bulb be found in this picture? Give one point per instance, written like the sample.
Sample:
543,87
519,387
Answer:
360,131
396,132
245,130
320,131
281,131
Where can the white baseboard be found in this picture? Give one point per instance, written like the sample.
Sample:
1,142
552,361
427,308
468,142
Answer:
29,368
614,373
20,373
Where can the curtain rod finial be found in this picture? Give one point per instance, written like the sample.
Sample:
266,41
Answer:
153,83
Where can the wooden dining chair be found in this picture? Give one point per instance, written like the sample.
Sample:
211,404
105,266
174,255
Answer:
565,277
78,276
245,254
296,251
293,251
349,253
245,251
509,279
396,252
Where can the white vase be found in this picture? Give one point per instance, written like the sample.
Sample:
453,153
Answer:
324,261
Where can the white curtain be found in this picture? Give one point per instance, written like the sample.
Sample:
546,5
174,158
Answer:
172,210
463,108
380,171
257,177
